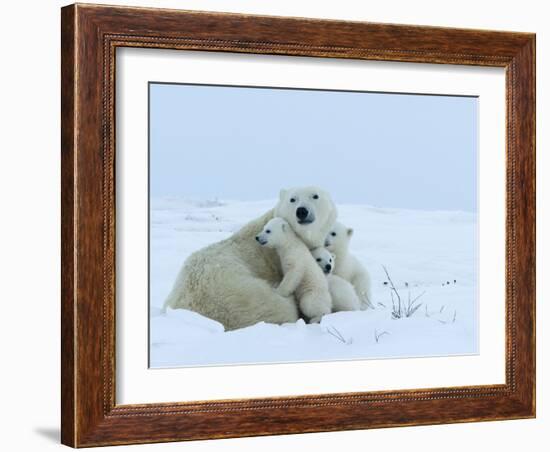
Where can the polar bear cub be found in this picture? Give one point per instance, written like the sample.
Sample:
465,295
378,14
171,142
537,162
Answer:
348,266
301,275
341,292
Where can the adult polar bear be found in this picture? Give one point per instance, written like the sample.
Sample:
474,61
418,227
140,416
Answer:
233,281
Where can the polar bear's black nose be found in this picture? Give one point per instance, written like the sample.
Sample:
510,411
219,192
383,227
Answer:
257,239
302,213
328,267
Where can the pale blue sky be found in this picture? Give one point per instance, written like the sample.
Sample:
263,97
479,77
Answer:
386,150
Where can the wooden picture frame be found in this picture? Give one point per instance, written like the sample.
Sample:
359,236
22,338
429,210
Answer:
90,35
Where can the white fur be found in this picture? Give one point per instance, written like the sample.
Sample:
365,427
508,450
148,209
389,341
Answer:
322,210
232,281
348,266
301,275
342,293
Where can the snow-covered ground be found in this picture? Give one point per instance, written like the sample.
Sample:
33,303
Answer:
424,253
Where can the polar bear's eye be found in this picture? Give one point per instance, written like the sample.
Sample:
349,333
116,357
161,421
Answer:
333,234
268,231
292,199
315,196
318,260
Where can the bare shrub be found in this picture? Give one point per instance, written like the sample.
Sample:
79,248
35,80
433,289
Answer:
378,335
400,308
333,331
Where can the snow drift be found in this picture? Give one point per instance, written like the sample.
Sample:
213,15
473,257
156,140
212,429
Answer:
431,258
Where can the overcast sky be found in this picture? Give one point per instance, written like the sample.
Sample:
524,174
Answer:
386,150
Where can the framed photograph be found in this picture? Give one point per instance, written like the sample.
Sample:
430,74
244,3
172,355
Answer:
280,225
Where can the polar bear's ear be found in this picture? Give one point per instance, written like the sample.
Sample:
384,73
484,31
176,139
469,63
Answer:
350,232
282,194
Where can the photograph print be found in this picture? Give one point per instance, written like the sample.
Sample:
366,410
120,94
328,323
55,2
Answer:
299,225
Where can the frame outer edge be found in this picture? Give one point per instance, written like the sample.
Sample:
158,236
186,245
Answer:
68,239
534,225
86,419
526,222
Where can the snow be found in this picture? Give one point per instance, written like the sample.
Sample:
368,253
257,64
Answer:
425,252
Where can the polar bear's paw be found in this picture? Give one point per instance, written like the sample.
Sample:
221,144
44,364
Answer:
316,319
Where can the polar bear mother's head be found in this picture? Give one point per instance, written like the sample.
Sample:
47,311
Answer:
310,212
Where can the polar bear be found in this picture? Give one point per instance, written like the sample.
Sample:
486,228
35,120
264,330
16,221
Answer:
348,266
342,293
232,281
301,275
